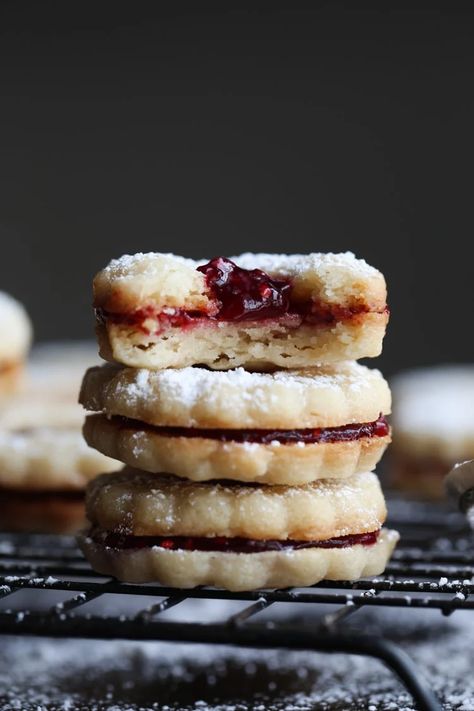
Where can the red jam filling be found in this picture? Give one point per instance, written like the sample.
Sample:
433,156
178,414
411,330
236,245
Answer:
245,294
345,433
228,545
239,295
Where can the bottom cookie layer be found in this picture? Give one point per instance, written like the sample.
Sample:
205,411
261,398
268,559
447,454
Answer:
240,571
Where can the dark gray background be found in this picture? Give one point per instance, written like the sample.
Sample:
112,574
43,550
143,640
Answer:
208,129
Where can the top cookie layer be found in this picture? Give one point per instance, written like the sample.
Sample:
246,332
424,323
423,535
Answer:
328,396
15,327
170,281
434,411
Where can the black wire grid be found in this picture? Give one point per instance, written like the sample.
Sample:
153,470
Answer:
433,567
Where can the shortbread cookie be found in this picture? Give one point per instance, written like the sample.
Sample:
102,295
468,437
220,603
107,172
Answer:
41,512
268,460
288,427
160,311
289,567
49,390
141,504
240,537
48,459
433,425
15,329
41,445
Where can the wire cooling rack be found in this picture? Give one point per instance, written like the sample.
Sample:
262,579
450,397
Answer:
433,567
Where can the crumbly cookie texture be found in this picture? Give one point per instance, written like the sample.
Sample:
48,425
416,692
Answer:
143,504
15,327
167,280
154,284
241,571
328,396
48,458
54,514
434,413
253,345
201,459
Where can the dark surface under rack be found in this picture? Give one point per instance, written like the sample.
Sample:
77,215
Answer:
433,567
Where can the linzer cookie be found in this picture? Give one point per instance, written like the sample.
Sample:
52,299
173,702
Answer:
236,536
45,464
257,310
434,427
285,427
15,340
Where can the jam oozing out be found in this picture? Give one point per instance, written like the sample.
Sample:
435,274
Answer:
245,294
227,545
345,433
238,295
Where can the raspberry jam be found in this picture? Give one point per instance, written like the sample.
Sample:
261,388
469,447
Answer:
344,433
245,294
238,295
227,545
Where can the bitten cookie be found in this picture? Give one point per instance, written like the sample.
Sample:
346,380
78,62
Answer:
240,537
290,311
15,340
286,427
434,427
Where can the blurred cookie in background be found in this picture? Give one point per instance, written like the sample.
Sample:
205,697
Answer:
15,341
433,427
45,463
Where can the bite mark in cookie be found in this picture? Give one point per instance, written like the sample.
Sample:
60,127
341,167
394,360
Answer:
297,299
238,294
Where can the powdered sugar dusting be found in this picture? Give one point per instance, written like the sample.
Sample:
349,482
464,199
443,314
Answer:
297,264
120,676
290,264
126,265
187,385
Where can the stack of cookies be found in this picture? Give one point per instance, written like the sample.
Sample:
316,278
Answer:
249,430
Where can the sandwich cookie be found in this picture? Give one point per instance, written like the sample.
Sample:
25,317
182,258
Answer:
237,536
255,310
45,464
285,427
433,427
